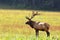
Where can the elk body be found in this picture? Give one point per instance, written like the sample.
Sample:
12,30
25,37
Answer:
38,25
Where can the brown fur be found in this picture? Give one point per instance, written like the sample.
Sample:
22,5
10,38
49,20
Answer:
37,26
41,27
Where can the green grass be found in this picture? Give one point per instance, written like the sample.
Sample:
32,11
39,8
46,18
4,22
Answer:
13,27
42,36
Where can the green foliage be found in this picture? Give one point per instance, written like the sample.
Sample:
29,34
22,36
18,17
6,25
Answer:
13,36
31,4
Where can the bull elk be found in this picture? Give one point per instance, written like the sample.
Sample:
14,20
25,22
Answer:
42,26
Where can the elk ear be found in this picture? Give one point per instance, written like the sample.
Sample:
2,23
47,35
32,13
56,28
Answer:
28,18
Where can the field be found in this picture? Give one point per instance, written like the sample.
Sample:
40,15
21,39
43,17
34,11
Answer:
13,27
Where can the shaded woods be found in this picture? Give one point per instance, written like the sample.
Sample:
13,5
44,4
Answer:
32,4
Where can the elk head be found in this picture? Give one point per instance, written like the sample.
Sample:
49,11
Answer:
30,22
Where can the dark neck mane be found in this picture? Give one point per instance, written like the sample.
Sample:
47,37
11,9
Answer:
32,23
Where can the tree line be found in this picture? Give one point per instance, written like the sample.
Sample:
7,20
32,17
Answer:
39,4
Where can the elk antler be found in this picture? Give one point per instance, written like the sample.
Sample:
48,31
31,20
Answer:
34,14
28,18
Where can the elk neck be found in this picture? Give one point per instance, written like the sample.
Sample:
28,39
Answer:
32,23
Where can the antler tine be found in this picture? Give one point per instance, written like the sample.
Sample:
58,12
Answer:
34,14
28,18
37,13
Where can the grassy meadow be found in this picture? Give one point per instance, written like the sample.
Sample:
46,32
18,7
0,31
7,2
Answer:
13,27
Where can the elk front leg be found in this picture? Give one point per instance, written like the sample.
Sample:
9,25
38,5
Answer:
48,33
37,33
